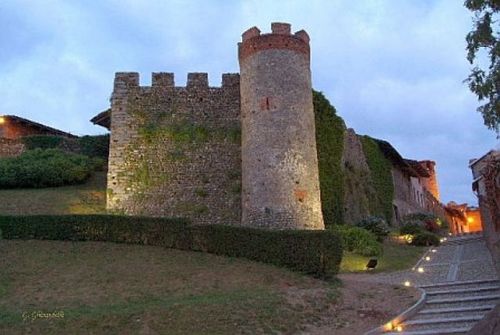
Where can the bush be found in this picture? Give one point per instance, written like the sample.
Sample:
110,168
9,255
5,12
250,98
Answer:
42,141
359,240
94,146
425,238
316,252
376,225
44,168
411,228
426,221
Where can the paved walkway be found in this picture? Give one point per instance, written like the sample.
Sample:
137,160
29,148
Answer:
460,286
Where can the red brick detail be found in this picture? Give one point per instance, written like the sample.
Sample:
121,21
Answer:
280,28
272,41
300,195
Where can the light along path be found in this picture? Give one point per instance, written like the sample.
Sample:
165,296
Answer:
459,286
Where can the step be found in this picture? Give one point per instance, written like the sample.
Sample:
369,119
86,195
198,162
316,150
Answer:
477,313
457,309
464,299
436,320
464,293
443,331
456,284
461,304
465,290
439,326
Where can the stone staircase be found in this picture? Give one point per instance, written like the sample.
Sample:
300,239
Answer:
451,303
452,308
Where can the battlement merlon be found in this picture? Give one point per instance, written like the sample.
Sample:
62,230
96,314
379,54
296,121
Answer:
162,79
279,38
195,81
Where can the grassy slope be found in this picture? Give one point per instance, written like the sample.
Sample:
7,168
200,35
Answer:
396,257
128,289
78,199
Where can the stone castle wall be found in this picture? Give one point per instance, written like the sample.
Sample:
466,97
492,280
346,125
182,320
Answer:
11,148
175,151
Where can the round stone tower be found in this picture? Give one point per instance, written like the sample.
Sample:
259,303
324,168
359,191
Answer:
280,183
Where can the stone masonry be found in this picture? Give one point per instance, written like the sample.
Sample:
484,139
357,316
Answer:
280,183
175,151
181,151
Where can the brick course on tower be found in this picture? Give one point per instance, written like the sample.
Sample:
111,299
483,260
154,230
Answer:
176,151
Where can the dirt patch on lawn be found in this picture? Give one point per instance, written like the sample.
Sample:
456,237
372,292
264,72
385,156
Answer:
362,306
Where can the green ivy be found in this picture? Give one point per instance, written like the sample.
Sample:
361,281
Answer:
380,168
330,130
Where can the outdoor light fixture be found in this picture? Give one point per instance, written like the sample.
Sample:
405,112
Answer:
2,120
420,269
433,250
372,263
399,328
427,258
407,283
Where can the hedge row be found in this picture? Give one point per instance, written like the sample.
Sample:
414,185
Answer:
314,252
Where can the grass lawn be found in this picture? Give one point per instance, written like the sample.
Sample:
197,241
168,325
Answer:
88,198
396,257
128,289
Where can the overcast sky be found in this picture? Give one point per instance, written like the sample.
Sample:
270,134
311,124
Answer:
393,69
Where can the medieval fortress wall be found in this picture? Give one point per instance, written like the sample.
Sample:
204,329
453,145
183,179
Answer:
175,151
185,151
243,153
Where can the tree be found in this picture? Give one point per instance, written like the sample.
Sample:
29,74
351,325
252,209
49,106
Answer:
485,83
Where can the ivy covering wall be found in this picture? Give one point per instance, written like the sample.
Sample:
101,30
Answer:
380,168
330,130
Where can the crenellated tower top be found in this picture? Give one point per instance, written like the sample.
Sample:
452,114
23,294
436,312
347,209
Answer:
279,38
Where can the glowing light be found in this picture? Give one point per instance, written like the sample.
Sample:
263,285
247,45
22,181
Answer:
388,326
427,258
449,234
433,250
420,269
470,219
407,283
2,120
444,238
399,328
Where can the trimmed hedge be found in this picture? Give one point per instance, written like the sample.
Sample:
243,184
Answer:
316,252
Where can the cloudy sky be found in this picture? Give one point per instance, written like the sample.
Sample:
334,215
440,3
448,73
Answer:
393,69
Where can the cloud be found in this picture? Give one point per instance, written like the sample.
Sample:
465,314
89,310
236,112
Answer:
393,69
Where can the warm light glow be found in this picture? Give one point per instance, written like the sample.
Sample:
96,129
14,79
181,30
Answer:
2,120
427,258
420,269
399,328
407,283
388,326
470,219
449,234
433,250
